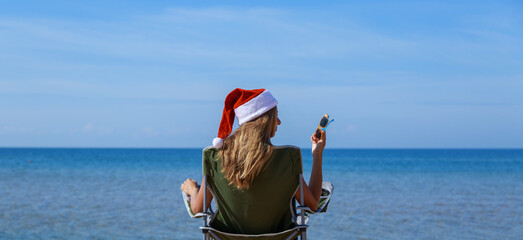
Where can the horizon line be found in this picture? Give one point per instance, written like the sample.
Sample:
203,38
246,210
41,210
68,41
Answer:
333,148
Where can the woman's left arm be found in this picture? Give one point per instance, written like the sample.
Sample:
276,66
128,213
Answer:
191,188
312,192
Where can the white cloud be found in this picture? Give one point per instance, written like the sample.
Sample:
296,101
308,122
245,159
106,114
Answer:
90,129
17,130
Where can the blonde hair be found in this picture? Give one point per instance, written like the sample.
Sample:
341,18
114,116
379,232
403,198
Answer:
245,153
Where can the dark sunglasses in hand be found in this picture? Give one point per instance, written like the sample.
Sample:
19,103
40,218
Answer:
324,123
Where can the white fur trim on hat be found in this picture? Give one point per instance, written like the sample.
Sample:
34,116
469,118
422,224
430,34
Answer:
217,142
255,107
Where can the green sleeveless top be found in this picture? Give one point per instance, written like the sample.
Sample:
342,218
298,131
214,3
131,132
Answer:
263,208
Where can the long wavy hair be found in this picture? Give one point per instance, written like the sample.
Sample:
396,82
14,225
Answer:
245,153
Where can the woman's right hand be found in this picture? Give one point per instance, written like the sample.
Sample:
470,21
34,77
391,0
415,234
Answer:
190,187
318,144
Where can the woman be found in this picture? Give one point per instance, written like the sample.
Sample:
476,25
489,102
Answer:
250,168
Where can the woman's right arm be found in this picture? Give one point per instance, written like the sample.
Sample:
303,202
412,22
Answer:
312,192
191,188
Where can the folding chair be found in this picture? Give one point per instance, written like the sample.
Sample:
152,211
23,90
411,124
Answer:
300,213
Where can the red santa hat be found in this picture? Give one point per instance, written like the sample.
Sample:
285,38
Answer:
246,105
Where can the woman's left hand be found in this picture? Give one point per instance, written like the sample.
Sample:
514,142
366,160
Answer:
318,144
190,187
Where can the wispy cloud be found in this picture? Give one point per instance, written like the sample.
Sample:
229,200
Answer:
229,38
237,42
7,130
96,130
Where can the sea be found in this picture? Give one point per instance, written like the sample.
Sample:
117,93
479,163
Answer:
67,193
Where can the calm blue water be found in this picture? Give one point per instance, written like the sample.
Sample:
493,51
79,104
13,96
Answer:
379,194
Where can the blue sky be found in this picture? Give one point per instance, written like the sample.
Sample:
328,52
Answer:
394,74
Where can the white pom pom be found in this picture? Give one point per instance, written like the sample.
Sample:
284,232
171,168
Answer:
217,142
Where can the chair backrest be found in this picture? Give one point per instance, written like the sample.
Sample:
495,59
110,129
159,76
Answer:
267,206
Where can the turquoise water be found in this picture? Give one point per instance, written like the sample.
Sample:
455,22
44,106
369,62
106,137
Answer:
379,194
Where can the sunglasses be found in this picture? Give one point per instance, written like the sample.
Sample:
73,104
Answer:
324,123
